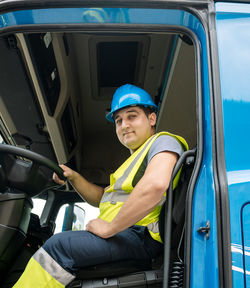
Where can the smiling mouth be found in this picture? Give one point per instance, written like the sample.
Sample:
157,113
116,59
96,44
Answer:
126,133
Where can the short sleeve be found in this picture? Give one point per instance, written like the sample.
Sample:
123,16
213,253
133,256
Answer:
164,143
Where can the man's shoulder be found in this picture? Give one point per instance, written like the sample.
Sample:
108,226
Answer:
166,140
163,143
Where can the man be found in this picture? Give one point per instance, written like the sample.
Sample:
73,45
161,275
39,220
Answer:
127,227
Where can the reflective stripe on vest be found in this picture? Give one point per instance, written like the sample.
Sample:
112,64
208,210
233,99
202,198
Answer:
121,186
120,196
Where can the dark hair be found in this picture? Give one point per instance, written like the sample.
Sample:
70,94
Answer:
148,110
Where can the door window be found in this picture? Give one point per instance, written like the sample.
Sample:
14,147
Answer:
74,216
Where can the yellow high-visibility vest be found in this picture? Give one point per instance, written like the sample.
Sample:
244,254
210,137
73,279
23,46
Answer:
121,185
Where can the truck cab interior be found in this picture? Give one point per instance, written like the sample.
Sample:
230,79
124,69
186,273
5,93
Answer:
55,90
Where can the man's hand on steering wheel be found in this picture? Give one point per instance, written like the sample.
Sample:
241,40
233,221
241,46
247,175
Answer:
67,173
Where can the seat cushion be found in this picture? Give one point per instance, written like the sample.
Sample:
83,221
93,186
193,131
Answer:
113,269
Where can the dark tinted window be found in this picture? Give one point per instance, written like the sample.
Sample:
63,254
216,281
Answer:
117,63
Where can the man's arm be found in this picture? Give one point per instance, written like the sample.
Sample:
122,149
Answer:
145,196
88,191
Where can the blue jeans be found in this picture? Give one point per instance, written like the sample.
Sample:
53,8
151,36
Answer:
77,249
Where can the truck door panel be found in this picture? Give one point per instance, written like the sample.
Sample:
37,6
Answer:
233,36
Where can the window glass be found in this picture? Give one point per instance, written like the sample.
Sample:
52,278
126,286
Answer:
60,218
79,218
38,206
82,214
1,139
91,212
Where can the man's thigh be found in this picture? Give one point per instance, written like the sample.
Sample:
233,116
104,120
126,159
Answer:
75,249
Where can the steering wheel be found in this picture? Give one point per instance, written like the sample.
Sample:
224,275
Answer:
23,175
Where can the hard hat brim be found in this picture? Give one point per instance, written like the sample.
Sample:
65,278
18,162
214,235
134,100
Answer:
109,117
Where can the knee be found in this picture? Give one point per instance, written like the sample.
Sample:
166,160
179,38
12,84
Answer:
54,242
59,248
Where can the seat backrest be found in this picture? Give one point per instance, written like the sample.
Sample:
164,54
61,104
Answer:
14,220
178,212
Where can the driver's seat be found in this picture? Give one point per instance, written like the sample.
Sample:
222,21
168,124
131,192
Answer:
134,273
15,210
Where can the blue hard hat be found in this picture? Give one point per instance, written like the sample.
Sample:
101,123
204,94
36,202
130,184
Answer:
129,95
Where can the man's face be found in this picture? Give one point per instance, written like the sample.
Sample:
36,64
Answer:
133,126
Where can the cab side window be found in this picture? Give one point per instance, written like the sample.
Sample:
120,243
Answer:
74,216
1,139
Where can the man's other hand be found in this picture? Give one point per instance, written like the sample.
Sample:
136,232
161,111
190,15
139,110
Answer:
100,228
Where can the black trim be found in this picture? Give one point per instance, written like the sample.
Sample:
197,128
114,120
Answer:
168,212
243,242
219,166
11,5
110,27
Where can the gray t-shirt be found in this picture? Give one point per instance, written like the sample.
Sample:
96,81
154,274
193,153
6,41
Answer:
161,144
164,143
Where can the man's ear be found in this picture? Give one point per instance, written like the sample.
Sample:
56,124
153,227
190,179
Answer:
152,119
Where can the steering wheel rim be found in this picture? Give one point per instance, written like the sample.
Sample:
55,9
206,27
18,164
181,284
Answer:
34,157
